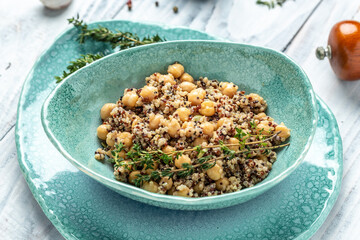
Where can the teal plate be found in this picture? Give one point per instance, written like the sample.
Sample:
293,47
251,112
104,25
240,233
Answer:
81,208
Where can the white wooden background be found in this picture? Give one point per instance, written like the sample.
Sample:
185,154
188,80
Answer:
27,28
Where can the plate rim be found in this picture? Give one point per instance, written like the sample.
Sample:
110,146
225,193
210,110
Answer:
57,223
315,226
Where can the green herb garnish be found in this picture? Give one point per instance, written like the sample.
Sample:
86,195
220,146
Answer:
77,64
271,3
123,40
117,39
140,159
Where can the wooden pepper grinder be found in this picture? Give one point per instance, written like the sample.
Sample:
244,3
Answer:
343,50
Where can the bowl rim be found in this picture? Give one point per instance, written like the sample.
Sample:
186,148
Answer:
184,201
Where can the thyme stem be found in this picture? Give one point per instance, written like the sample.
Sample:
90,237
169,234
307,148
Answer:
271,3
119,40
227,145
238,152
137,158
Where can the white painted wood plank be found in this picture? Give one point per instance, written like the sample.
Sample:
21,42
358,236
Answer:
249,23
218,24
20,215
343,98
25,32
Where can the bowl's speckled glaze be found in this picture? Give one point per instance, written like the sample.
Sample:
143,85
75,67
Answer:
70,114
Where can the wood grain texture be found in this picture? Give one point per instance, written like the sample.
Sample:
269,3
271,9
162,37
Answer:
20,215
27,28
343,98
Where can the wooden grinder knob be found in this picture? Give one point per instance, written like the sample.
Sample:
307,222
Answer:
343,50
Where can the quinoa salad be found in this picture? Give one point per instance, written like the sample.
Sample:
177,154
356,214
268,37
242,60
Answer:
191,138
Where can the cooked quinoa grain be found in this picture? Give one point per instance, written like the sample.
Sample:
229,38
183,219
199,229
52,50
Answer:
194,138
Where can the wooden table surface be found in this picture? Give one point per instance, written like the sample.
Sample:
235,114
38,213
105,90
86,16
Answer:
27,28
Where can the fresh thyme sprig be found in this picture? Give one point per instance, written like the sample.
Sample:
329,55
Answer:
123,40
188,169
271,3
240,136
230,154
140,159
77,64
118,40
203,162
116,153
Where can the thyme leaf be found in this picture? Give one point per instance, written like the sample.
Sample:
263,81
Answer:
141,159
77,64
271,3
117,39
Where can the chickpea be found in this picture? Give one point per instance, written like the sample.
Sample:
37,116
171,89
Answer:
207,108
223,121
168,149
188,125
130,99
221,184
127,162
176,70
264,127
219,162
186,78
199,187
173,127
199,141
183,113
155,120
102,131
181,160
260,116
215,172
208,128
229,89
167,79
122,154
150,186
233,141
125,138
106,110
166,182
132,176
148,93
255,97
285,132
110,139
183,191
187,86
196,96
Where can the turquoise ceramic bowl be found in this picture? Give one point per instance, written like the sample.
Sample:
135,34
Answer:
70,114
